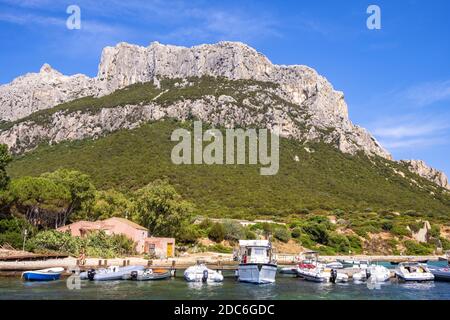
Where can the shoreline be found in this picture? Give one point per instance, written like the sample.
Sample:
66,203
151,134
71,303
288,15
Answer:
223,261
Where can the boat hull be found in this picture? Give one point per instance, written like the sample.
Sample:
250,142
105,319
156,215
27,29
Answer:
415,278
123,273
441,274
258,273
36,276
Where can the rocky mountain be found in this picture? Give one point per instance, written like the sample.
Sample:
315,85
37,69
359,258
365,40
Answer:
422,169
225,84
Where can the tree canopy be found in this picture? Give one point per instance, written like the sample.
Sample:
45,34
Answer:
161,209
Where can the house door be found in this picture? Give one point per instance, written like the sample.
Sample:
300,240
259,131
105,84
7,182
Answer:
170,249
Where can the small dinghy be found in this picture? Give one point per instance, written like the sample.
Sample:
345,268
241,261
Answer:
200,273
150,274
112,273
413,271
441,274
43,275
374,273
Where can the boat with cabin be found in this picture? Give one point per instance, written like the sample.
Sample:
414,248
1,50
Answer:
257,263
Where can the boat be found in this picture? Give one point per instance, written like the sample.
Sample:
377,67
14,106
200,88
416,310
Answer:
43,275
288,270
150,274
440,274
335,265
354,264
256,262
312,270
413,271
200,273
112,273
374,273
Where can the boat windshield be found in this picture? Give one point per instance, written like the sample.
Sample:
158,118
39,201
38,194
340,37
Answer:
256,255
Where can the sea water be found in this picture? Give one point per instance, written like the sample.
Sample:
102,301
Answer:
286,287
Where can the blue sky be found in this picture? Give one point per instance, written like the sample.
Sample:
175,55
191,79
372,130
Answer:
396,80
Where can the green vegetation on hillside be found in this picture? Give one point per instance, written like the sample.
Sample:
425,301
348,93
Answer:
324,179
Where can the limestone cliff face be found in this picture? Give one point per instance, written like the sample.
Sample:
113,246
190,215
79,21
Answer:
422,169
36,91
127,64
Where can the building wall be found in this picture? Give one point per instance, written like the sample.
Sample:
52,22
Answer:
163,247
110,226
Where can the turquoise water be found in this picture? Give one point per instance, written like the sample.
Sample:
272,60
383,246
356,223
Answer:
286,287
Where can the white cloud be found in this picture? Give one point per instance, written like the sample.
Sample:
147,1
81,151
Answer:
426,94
412,131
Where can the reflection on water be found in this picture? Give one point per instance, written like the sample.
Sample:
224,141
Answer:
286,287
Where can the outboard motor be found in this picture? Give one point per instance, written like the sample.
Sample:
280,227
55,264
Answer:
368,274
134,275
91,273
333,275
205,275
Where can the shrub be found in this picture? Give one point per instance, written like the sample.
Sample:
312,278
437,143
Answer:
96,244
387,225
355,244
217,232
317,232
339,243
189,234
219,248
435,231
52,240
445,243
11,231
400,230
296,232
282,234
206,224
233,231
250,235
416,248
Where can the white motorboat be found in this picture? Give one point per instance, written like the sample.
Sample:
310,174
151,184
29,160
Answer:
111,273
335,265
311,269
413,271
200,273
374,273
256,262
354,264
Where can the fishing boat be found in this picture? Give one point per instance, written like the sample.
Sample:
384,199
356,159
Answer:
112,273
150,274
200,273
374,273
43,275
440,274
256,262
413,271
